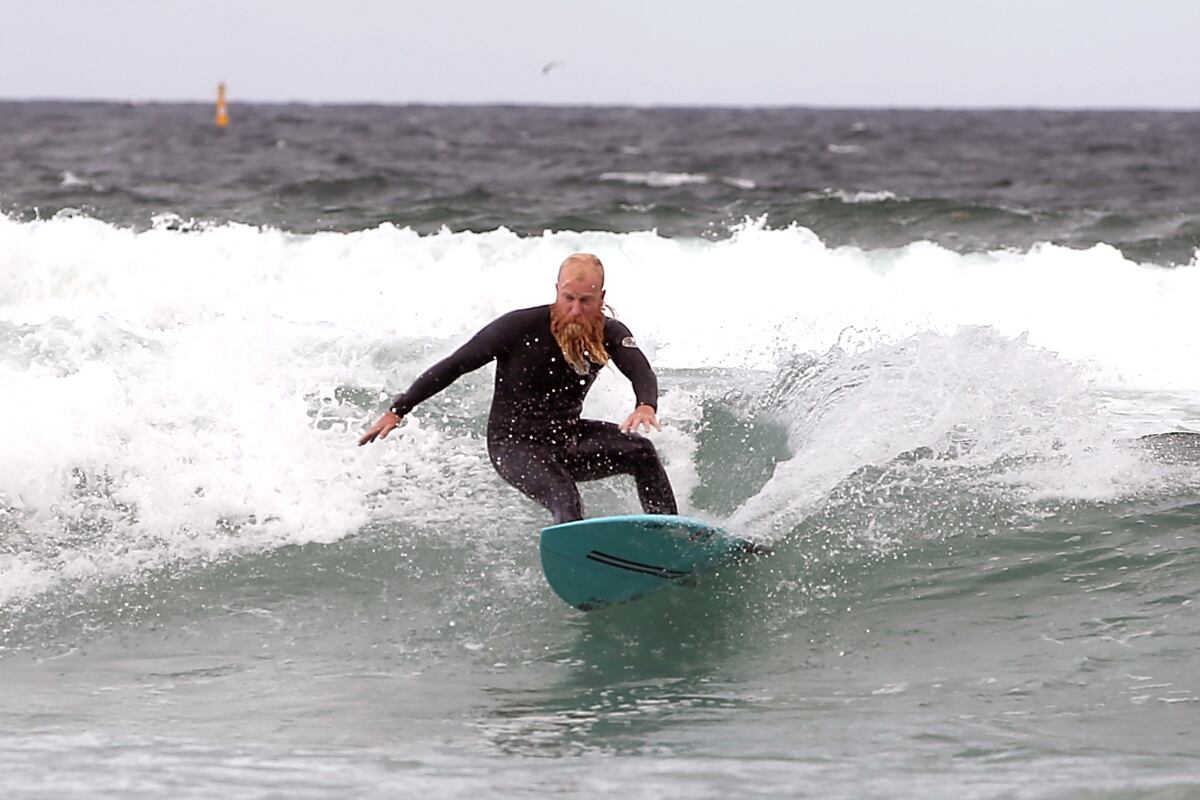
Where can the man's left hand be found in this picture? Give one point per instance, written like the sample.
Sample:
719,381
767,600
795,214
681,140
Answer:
642,416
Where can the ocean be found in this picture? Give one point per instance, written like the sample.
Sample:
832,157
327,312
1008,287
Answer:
941,361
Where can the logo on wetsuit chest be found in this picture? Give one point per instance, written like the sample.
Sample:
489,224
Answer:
628,342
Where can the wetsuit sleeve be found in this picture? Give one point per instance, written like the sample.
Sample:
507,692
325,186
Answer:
482,348
633,364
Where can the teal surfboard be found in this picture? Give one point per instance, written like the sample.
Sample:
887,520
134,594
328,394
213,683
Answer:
592,563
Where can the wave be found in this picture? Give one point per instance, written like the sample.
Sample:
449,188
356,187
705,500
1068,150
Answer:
762,292
188,395
670,180
863,196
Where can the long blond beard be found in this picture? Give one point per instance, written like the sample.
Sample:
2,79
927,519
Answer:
582,343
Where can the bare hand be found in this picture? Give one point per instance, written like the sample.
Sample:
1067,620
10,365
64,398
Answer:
381,428
642,416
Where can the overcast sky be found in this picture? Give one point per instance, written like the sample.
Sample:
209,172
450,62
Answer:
1050,53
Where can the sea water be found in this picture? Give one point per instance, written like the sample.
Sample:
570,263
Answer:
942,362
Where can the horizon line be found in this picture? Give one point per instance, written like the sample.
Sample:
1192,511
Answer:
614,105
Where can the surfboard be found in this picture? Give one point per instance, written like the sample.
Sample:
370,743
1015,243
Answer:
592,563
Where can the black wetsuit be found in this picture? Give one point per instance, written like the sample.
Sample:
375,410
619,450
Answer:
535,437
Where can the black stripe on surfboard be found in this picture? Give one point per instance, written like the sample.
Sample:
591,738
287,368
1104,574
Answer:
634,566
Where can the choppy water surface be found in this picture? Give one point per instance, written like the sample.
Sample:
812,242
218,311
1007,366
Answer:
945,372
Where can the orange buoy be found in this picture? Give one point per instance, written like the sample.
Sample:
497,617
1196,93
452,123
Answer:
222,110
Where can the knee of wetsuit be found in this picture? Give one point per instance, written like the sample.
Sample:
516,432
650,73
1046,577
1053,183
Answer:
643,449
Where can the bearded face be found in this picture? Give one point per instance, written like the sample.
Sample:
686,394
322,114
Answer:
581,339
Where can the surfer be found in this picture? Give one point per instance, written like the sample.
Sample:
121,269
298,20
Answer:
547,358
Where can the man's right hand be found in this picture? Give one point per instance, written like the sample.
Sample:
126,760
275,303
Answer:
381,428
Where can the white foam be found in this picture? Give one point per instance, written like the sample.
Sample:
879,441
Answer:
861,197
655,179
667,180
173,393
68,179
740,183
1013,417
739,301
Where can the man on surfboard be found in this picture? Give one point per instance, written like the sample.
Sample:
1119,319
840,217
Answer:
547,358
